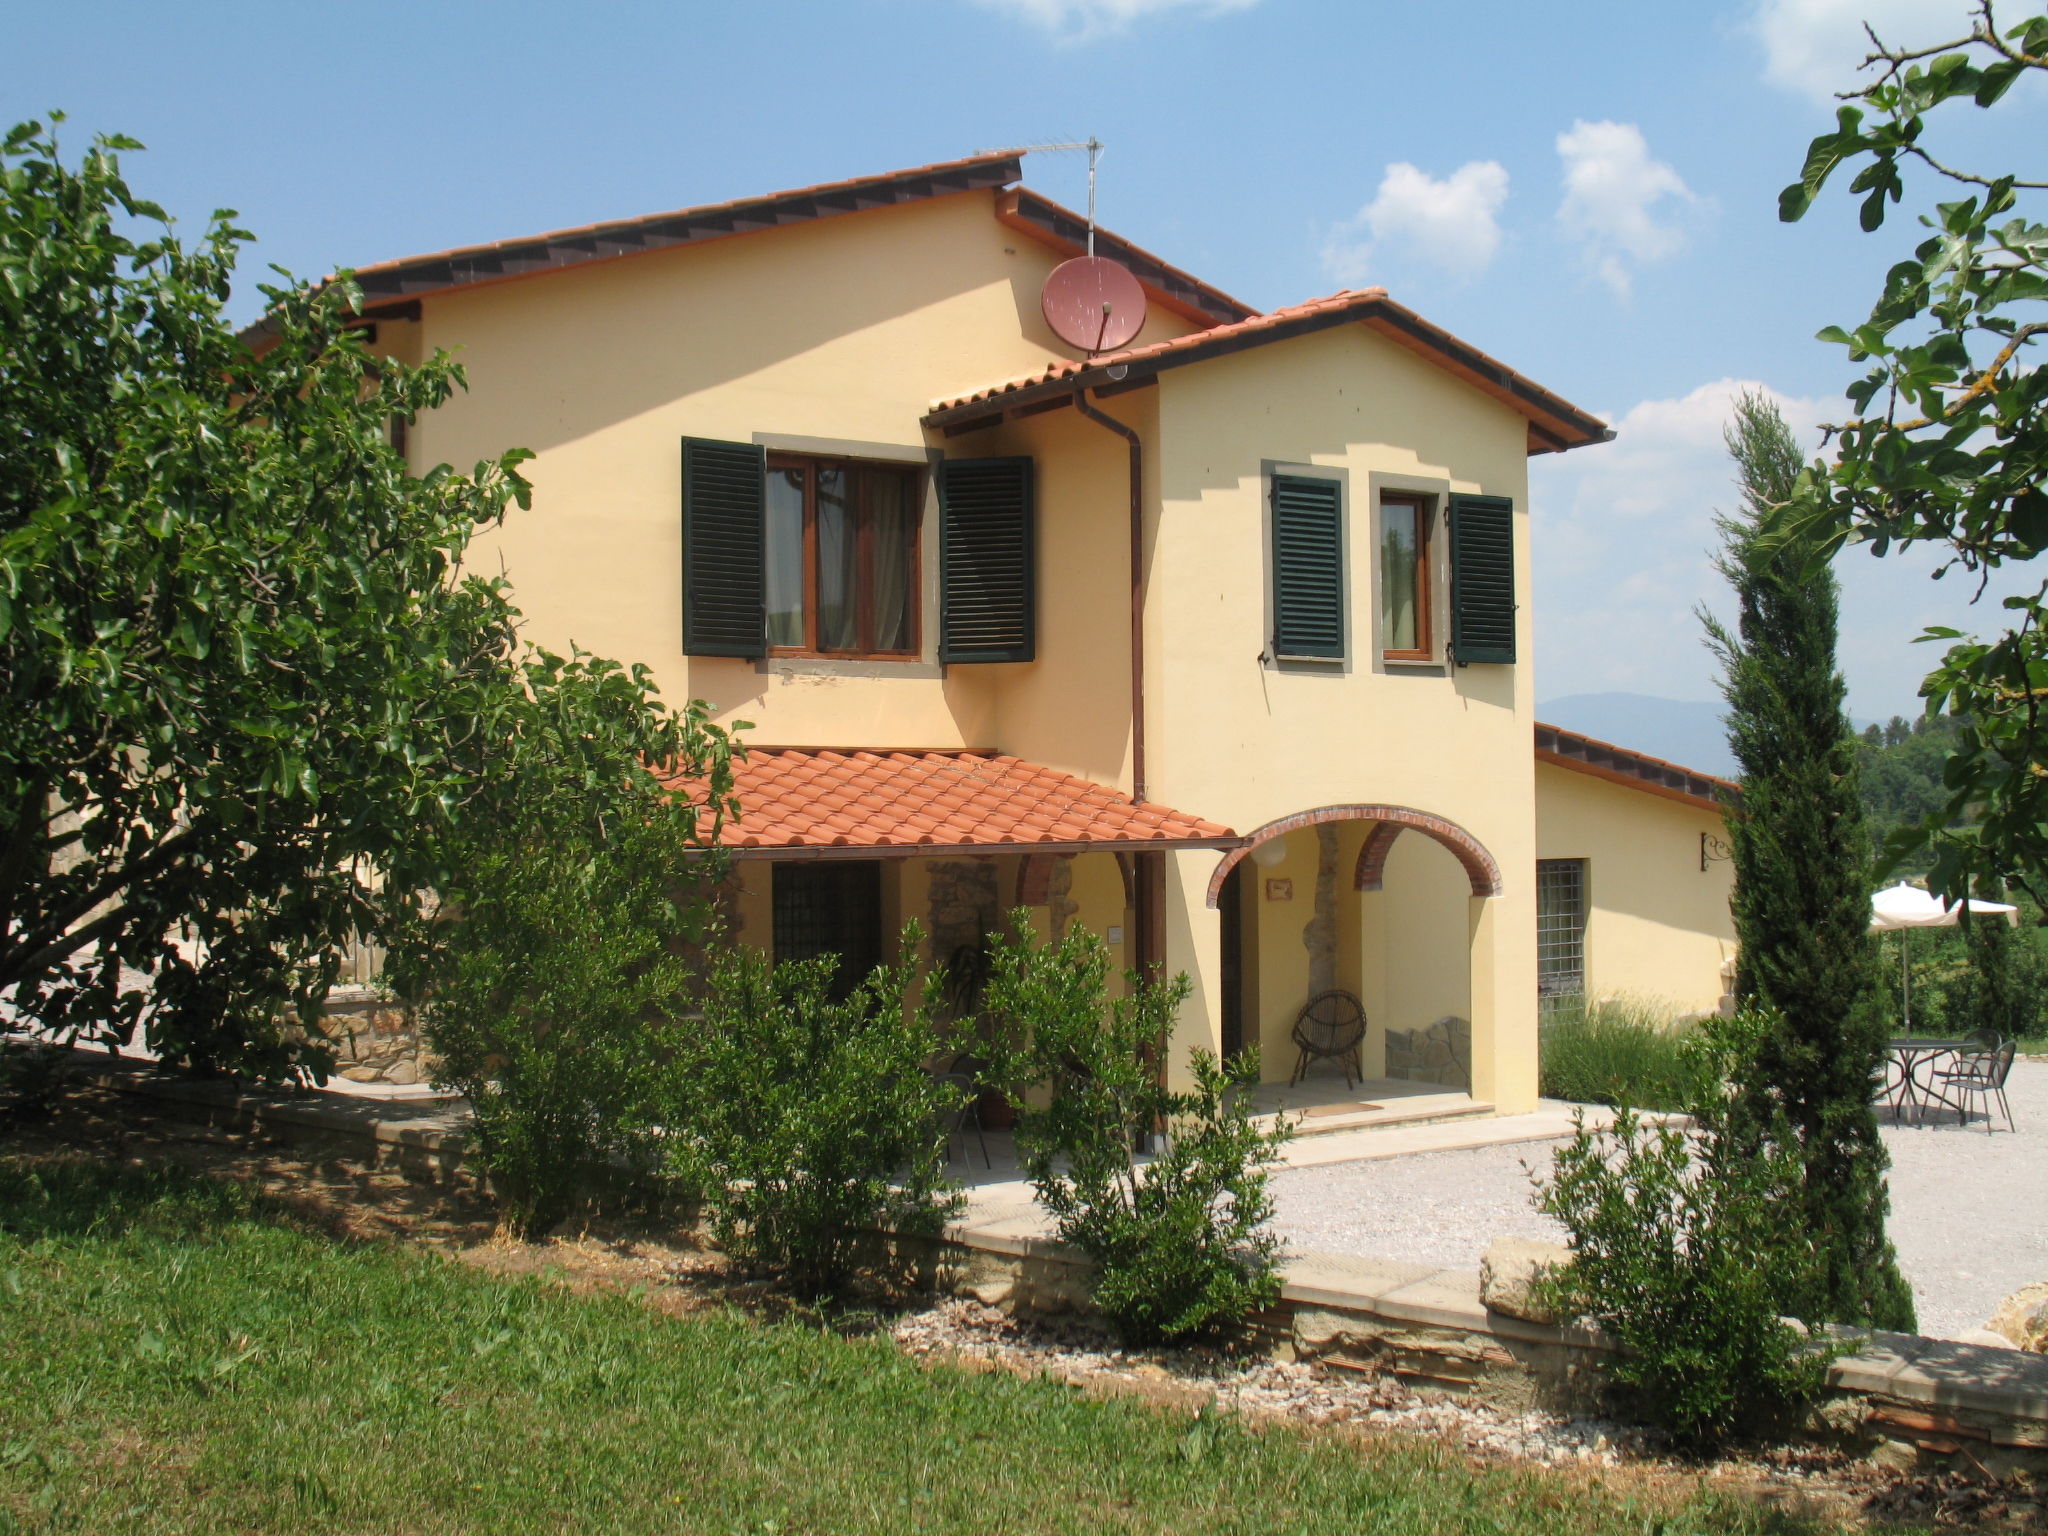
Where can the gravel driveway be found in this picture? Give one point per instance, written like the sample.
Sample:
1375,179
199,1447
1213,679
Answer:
1969,1211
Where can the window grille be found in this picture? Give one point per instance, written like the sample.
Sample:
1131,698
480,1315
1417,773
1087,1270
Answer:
1560,931
830,907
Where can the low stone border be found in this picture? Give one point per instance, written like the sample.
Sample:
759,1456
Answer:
1912,1402
421,1138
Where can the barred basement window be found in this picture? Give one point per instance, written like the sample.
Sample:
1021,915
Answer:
830,907
1560,932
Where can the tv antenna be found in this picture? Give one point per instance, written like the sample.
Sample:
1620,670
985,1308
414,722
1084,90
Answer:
1091,303
1093,146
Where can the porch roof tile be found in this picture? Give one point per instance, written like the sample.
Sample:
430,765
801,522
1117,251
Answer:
814,799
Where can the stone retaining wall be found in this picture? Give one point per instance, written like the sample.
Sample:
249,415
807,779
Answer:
375,1039
1908,1401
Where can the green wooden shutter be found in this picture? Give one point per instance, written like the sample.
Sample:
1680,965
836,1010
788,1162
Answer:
1482,579
988,579
1308,567
725,608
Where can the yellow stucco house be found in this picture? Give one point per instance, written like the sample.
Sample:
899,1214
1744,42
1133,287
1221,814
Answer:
1217,643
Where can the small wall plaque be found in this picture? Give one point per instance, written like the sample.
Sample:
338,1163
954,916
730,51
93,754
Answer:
1280,890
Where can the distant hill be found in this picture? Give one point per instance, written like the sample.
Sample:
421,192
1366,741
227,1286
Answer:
1677,730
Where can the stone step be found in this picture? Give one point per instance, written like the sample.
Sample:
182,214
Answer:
1422,1109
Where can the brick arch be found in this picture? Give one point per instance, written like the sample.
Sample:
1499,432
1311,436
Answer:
1478,864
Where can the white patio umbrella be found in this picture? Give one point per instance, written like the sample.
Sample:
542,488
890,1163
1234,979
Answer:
1903,907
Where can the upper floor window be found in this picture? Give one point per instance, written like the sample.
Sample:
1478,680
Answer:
806,556
1404,577
1307,568
841,571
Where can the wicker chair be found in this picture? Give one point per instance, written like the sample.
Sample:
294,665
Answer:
1331,1027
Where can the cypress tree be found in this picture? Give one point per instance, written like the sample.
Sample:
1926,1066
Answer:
1806,959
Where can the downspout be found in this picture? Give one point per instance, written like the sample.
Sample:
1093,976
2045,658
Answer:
1130,435
1151,867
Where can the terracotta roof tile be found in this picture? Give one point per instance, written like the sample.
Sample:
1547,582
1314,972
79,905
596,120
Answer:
791,798
1344,298
1589,754
1555,423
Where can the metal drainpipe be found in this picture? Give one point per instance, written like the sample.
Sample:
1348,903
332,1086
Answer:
1129,435
1151,867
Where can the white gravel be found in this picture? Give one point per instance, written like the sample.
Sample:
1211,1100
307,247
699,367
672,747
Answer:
1969,1210
1310,1393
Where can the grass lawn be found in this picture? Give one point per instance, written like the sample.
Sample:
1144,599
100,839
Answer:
176,1357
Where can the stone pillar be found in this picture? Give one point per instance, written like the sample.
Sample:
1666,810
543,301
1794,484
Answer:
1319,933
962,904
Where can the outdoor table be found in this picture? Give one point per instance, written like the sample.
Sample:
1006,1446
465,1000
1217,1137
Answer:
1914,1057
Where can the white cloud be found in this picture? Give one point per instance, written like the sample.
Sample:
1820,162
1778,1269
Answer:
1614,193
1449,225
1624,540
1084,21
1814,46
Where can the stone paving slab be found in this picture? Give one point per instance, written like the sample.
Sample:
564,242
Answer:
1553,1121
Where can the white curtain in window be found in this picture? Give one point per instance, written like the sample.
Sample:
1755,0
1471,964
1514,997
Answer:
786,557
838,567
1397,577
892,538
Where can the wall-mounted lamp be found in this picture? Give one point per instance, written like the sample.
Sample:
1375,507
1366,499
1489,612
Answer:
1713,851
1270,855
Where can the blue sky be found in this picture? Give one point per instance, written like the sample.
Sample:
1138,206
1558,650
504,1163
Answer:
1586,191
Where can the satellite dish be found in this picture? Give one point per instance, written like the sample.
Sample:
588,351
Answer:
1093,303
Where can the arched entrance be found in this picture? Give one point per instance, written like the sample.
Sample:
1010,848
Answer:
1388,822
1336,898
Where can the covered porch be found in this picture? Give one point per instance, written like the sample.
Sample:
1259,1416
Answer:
1380,917
835,852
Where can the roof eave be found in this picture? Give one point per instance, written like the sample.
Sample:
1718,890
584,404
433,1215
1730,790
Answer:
1634,770
1555,425
965,850
411,278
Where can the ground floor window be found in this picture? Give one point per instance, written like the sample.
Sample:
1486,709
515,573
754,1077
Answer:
1560,931
830,907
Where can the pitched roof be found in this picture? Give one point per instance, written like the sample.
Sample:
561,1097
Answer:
850,803
393,288
1555,424
410,277
1637,770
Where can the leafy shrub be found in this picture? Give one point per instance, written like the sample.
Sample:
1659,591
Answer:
1688,1248
1179,1242
1621,1050
808,1121
551,999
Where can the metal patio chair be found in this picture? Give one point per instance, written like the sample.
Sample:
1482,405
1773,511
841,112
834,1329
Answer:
1891,1087
1330,1027
967,1112
1981,1075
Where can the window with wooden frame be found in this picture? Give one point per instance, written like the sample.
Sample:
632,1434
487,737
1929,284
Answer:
1406,632
841,540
